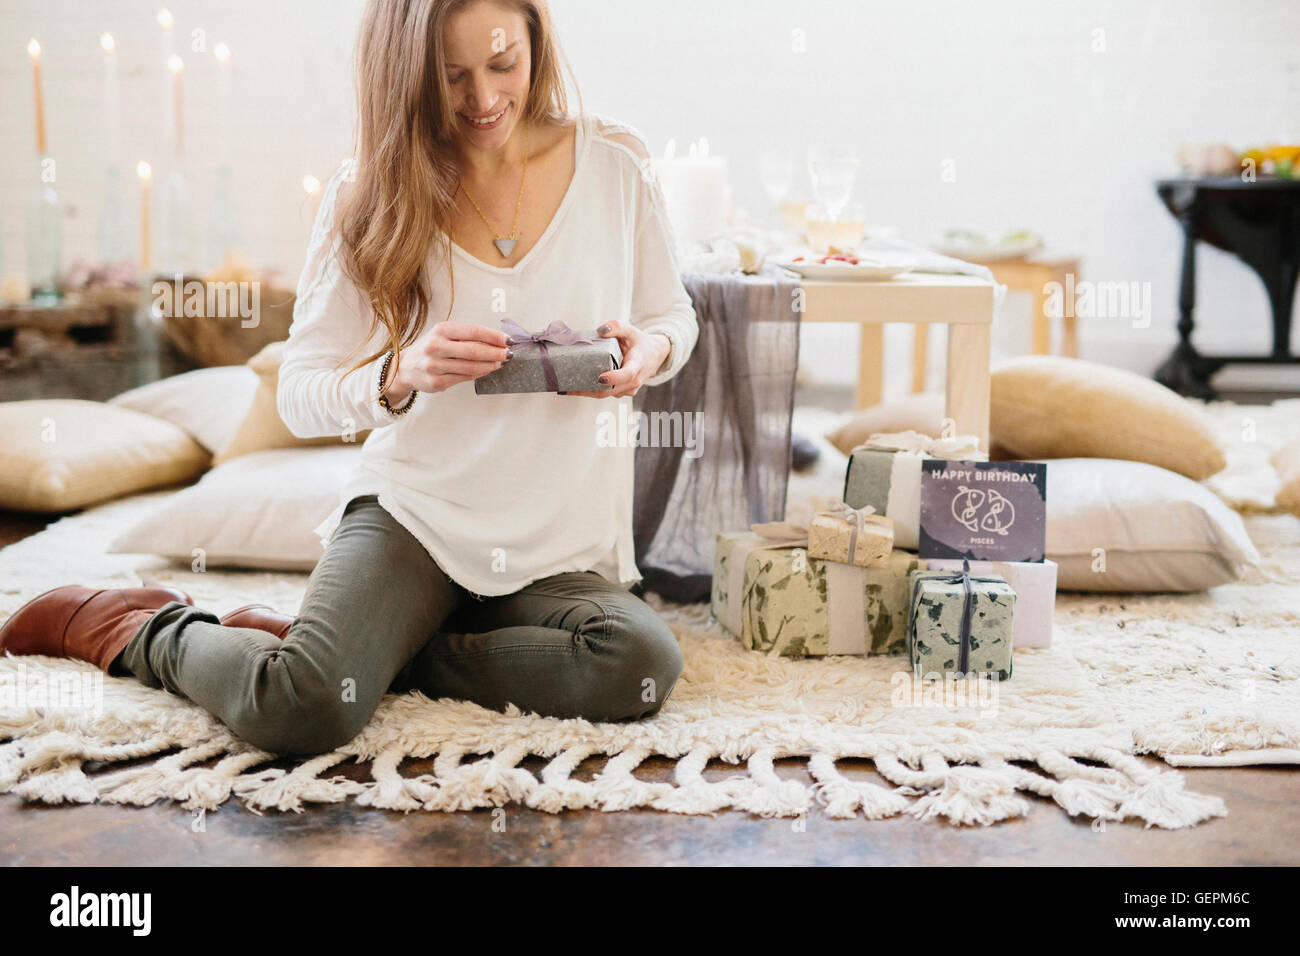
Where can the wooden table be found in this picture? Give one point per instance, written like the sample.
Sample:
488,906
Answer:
1026,274
1033,274
963,303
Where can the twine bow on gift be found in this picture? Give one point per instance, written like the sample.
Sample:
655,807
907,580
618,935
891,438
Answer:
557,332
787,534
857,518
961,447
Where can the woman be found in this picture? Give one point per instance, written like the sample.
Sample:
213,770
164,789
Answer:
483,549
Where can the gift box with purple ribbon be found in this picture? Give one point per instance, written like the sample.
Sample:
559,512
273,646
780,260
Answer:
960,624
556,359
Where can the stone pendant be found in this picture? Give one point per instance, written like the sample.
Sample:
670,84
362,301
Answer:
505,246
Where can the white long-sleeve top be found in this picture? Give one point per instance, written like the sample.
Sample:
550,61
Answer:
503,489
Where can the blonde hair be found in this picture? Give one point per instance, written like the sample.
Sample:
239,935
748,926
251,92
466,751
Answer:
401,203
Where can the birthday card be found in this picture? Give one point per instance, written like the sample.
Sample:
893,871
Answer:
983,510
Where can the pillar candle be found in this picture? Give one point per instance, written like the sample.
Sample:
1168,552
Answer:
698,201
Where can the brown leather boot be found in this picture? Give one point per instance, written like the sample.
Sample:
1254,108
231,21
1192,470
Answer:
86,624
259,617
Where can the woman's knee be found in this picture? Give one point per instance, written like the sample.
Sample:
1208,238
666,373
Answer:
649,662
303,713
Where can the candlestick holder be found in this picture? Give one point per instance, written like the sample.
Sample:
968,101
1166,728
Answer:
44,237
114,229
177,252
224,233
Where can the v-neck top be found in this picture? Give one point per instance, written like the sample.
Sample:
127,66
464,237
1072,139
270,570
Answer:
579,154
503,490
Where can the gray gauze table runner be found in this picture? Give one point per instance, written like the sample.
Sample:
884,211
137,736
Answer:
738,388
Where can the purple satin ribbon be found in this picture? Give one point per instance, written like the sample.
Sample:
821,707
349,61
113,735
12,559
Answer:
556,332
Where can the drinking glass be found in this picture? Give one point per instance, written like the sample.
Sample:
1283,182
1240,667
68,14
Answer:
851,226
833,167
821,229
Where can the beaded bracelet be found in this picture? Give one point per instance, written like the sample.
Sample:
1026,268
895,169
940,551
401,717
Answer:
383,399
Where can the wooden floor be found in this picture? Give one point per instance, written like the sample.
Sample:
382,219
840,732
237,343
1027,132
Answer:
1261,828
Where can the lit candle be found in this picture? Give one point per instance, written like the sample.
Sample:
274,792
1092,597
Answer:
311,186
176,66
143,170
112,100
34,51
166,22
222,53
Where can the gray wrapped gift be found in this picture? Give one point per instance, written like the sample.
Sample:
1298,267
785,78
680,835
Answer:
556,359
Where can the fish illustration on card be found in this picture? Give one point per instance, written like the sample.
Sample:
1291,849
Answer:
983,510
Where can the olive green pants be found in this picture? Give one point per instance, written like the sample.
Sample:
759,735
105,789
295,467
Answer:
380,615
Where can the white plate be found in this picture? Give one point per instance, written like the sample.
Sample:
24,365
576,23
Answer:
867,270
973,251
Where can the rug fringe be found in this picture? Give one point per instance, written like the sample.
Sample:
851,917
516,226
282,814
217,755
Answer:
693,794
842,798
963,788
275,789
616,788
557,791
143,786
969,795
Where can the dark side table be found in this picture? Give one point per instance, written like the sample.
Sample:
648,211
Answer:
1259,223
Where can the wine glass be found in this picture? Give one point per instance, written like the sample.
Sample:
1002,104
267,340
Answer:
833,168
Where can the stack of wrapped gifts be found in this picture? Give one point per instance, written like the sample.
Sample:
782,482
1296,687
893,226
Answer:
934,552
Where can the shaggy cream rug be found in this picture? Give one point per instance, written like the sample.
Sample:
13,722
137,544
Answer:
1196,679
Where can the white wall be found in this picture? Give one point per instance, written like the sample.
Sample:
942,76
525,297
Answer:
1045,130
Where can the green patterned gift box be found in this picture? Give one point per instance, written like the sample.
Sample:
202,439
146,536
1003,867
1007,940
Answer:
884,473
776,599
960,626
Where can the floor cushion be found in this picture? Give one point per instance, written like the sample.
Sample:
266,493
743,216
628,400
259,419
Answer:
262,427
208,403
255,511
61,454
1049,406
1128,526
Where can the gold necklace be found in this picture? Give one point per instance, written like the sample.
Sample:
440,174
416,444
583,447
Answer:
505,244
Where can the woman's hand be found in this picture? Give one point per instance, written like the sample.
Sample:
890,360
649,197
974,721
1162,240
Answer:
643,353
444,355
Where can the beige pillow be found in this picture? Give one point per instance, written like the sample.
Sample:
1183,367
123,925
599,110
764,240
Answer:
263,428
62,454
919,413
258,511
1128,526
1287,463
1048,406
208,403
